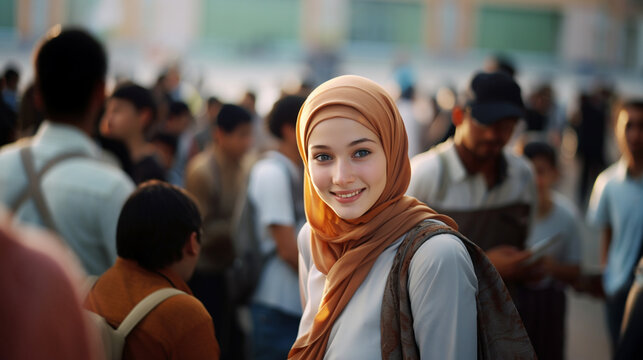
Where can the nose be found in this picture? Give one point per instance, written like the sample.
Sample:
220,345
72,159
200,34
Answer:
343,173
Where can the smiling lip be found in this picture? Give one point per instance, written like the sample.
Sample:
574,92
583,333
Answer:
345,197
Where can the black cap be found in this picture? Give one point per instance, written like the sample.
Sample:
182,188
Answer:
494,96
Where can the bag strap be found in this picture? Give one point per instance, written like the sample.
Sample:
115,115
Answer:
34,180
143,308
293,186
443,179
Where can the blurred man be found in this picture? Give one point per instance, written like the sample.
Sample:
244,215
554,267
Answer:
10,90
217,179
616,207
129,114
180,124
74,193
556,216
275,189
488,191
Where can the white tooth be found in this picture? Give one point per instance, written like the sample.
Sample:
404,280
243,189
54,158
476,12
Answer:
349,195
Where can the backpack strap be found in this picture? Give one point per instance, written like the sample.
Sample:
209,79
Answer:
500,332
34,180
143,308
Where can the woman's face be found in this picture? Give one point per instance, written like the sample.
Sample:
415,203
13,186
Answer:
347,166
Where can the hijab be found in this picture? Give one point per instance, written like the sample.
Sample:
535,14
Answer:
345,250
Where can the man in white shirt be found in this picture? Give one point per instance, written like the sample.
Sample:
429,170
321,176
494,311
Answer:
81,195
275,188
487,190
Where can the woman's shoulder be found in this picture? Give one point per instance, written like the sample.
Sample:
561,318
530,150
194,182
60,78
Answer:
442,255
440,247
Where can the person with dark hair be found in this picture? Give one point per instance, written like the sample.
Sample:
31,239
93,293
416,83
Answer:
489,191
158,242
275,189
615,209
29,115
81,196
203,137
179,124
10,90
475,181
129,115
558,218
216,177
501,63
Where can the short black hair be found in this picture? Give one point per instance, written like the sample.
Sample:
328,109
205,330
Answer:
169,140
69,67
541,149
232,116
138,96
284,111
11,74
178,108
155,224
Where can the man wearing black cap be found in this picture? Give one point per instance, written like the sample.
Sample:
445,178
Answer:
489,192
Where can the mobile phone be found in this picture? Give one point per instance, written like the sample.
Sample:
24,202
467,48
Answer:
540,249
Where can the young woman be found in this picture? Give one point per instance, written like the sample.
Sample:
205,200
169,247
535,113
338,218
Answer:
354,147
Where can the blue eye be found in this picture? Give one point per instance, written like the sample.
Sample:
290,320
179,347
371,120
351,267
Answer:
322,157
361,153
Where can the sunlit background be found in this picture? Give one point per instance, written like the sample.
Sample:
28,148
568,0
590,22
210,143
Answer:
225,47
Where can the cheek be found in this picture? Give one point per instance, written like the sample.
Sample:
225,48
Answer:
320,177
375,173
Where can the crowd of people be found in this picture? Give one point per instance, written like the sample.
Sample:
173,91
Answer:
358,233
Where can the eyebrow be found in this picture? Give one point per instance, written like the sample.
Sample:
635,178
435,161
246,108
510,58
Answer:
353,143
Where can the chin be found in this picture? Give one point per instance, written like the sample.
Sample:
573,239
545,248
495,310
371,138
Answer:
347,214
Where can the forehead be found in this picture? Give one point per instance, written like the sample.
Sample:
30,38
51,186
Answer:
339,131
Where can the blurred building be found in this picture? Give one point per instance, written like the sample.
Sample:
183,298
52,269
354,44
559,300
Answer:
581,32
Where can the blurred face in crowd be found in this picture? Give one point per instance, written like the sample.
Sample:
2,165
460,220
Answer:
630,133
545,173
235,144
484,142
177,124
347,166
122,120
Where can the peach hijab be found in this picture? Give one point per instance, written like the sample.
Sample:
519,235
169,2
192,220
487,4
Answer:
345,250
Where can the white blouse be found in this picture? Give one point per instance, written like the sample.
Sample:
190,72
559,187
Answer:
443,288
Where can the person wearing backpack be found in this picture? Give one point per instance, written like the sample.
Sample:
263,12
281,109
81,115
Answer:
275,307
383,275
158,241
57,178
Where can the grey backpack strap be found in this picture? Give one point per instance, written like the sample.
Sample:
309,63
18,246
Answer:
143,308
34,180
443,179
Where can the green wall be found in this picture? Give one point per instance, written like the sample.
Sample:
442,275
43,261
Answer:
522,29
7,13
386,21
249,21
